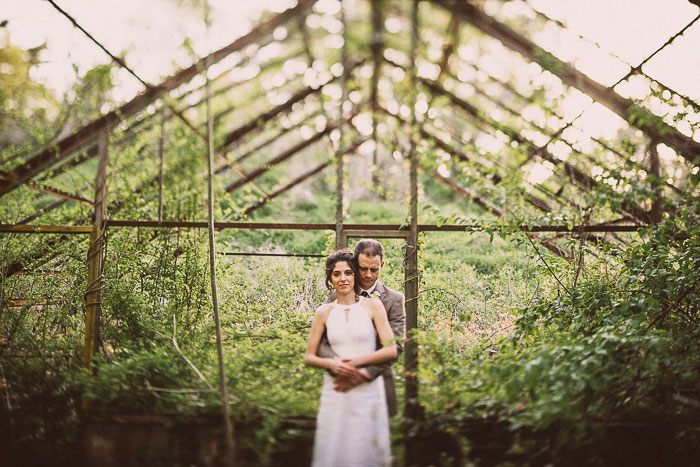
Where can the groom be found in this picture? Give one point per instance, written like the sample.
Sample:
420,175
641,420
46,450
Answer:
370,259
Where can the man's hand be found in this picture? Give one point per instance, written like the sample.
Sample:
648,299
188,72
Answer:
347,382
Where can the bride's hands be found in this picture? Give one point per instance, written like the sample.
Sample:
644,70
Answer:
350,362
341,368
360,375
344,383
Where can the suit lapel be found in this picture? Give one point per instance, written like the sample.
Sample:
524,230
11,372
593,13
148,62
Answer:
381,290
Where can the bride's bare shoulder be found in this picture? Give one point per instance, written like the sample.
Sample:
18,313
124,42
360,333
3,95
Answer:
323,310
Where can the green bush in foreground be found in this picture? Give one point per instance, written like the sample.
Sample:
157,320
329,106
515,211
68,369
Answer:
607,371
514,368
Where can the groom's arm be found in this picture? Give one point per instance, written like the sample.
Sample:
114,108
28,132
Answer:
324,347
396,312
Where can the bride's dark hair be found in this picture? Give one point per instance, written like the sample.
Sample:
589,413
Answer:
342,255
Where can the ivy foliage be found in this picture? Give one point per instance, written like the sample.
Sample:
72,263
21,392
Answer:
587,366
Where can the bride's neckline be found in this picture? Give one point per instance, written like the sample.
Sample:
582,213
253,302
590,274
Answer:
346,308
348,304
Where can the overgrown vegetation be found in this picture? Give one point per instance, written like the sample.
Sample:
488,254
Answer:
514,366
605,370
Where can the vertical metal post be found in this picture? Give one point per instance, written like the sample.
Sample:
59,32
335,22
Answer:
655,170
93,295
91,301
229,457
341,129
412,407
161,157
376,44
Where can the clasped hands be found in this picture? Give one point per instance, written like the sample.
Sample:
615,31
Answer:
346,375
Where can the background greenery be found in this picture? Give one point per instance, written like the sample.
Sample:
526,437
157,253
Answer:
514,366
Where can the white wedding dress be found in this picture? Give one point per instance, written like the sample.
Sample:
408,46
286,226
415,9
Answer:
352,428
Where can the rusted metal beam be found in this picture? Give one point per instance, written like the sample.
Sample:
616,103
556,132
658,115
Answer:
60,150
301,178
59,193
636,115
93,295
448,50
285,188
465,192
280,158
634,69
523,98
44,209
101,182
581,179
264,144
229,454
261,119
46,229
493,209
115,223
306,41
218,225
376,45
283,255
493,178
20,302
557,135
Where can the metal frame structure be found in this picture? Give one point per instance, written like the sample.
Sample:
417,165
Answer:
91,141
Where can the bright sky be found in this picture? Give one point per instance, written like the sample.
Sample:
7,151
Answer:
151,32
632,30
626,32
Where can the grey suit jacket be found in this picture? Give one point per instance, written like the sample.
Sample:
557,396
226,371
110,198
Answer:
394,303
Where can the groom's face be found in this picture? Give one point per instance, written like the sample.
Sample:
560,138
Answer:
369,267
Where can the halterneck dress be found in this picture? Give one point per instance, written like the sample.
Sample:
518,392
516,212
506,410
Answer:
352,428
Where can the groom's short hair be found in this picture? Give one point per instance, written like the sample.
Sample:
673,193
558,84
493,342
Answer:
369,247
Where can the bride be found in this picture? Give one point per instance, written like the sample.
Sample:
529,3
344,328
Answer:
352,428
